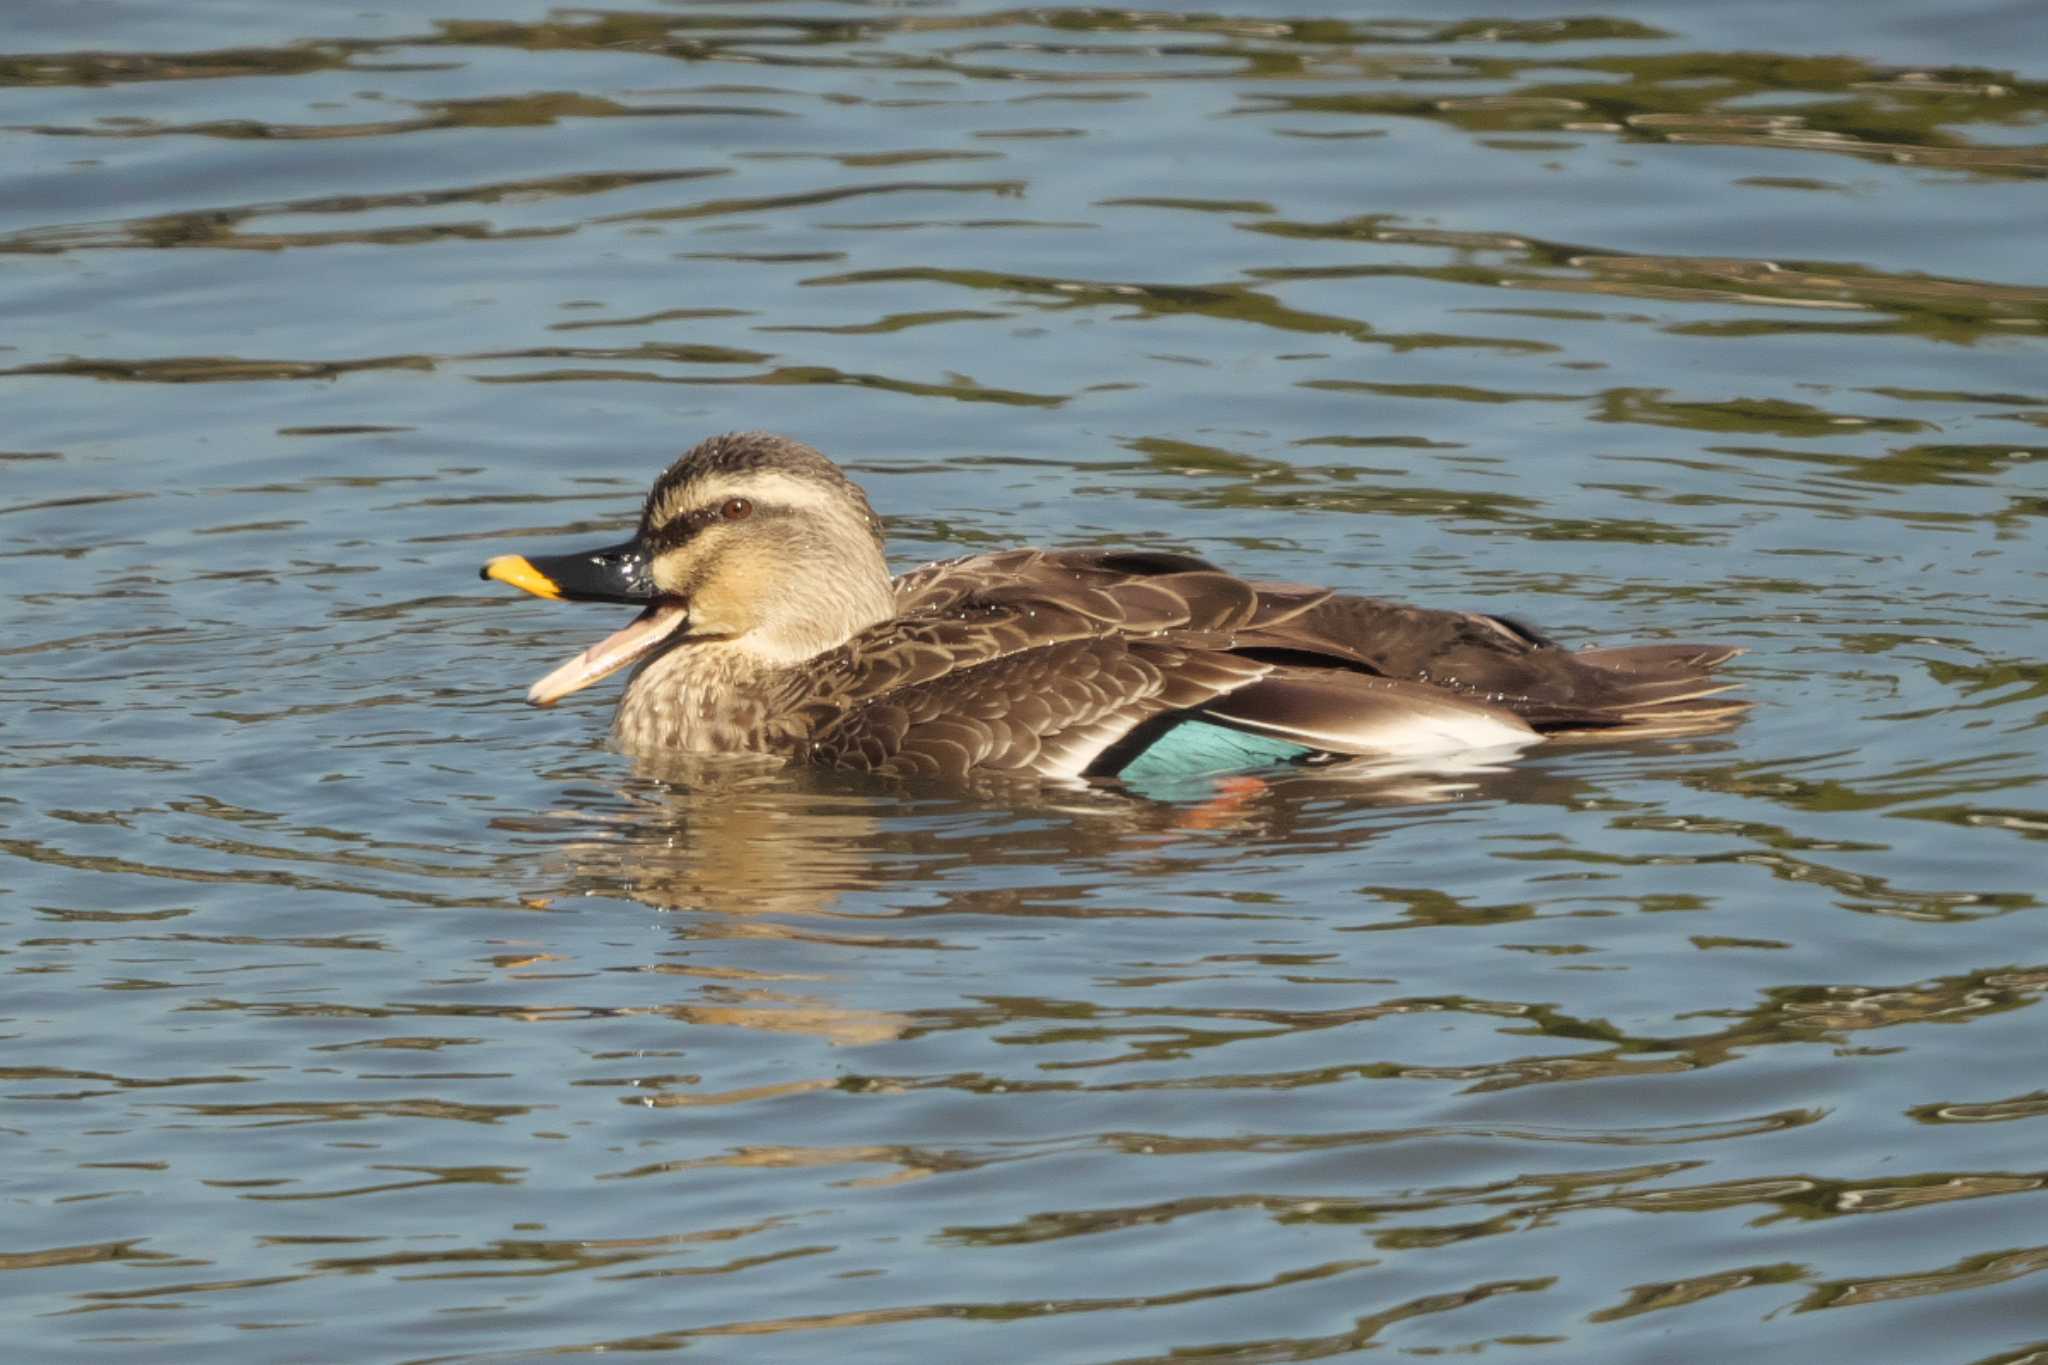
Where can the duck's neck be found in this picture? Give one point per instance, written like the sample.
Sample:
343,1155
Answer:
701,697
831,608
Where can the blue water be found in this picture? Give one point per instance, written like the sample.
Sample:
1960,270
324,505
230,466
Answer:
357,1011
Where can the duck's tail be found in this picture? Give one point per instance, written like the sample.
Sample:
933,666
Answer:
1651,692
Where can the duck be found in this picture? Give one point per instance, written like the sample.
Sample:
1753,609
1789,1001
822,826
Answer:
771,624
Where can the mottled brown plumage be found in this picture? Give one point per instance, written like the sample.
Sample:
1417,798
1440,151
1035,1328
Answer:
774,627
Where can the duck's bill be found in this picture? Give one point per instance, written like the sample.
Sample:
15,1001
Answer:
614,652
616,573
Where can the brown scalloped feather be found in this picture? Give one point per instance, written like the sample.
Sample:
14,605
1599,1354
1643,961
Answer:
1044,661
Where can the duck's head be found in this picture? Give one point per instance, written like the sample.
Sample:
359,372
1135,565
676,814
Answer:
751,540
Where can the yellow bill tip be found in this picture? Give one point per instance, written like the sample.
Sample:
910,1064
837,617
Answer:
520,573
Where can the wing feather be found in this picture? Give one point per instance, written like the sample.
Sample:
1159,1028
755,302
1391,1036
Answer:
1354,713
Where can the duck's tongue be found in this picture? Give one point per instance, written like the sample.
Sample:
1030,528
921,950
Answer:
610,654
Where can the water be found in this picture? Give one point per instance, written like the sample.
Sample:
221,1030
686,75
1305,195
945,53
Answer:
356,1011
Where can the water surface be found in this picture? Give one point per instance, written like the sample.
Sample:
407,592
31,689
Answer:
357,1011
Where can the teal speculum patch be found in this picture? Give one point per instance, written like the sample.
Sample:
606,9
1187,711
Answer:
1197,746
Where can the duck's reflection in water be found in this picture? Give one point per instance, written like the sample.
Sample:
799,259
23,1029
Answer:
751,849
830,905
753,841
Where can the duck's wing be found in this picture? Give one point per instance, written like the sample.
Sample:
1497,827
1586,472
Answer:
1334,711
1052,710
1391,639
1091,703
1055,575
1074,663
1639,691
1033,670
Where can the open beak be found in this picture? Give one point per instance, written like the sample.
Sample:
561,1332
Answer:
616,573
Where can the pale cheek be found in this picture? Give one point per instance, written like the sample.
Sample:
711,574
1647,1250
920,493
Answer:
681,574
713,611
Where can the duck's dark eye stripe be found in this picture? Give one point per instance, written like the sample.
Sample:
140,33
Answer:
675,533
686,526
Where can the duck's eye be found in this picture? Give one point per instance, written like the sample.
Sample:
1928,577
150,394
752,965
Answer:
736,509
